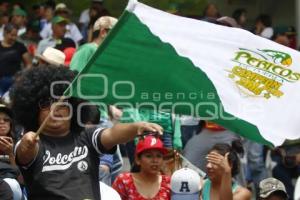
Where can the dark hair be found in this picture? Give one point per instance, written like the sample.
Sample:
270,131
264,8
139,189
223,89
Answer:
12,124
233,150
34,26
50,4
46,6
200,127
21,5
206,8
34,85
135,167
36,6
280,194
264,19
238,13
9,27
100,11
90,114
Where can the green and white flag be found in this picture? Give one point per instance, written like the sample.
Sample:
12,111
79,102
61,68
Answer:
230,76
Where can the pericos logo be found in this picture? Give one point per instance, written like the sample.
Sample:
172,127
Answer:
278,57
261,73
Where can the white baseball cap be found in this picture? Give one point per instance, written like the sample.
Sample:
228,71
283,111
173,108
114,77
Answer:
61,6
185,185
105,22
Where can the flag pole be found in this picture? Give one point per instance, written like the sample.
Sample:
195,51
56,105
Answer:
52,109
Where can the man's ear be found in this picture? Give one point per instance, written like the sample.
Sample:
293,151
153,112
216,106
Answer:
103,33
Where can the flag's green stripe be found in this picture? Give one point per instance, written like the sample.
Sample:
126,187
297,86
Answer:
132,53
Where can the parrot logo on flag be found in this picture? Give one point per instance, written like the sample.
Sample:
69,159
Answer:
278,57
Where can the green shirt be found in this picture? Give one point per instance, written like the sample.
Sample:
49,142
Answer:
82,56
207,186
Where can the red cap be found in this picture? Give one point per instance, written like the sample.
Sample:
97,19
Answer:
150,142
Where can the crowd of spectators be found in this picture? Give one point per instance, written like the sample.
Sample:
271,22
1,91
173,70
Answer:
71,161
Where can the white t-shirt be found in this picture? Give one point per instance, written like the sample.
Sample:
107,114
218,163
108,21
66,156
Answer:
189,120
267,32
108,192
297,189
46,32
84,16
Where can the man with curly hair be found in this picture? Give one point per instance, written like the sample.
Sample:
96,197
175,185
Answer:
62,163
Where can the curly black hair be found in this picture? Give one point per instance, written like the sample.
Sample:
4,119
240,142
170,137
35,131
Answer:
33,86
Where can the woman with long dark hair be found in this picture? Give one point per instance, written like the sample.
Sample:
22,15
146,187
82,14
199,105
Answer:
222,165
6,133
8,169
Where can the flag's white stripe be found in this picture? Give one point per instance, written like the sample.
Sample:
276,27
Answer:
200,42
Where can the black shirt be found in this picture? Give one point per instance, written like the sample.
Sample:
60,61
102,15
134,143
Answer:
64,43
66,167
7,170
11,58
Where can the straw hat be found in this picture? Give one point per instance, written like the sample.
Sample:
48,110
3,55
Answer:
52,56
